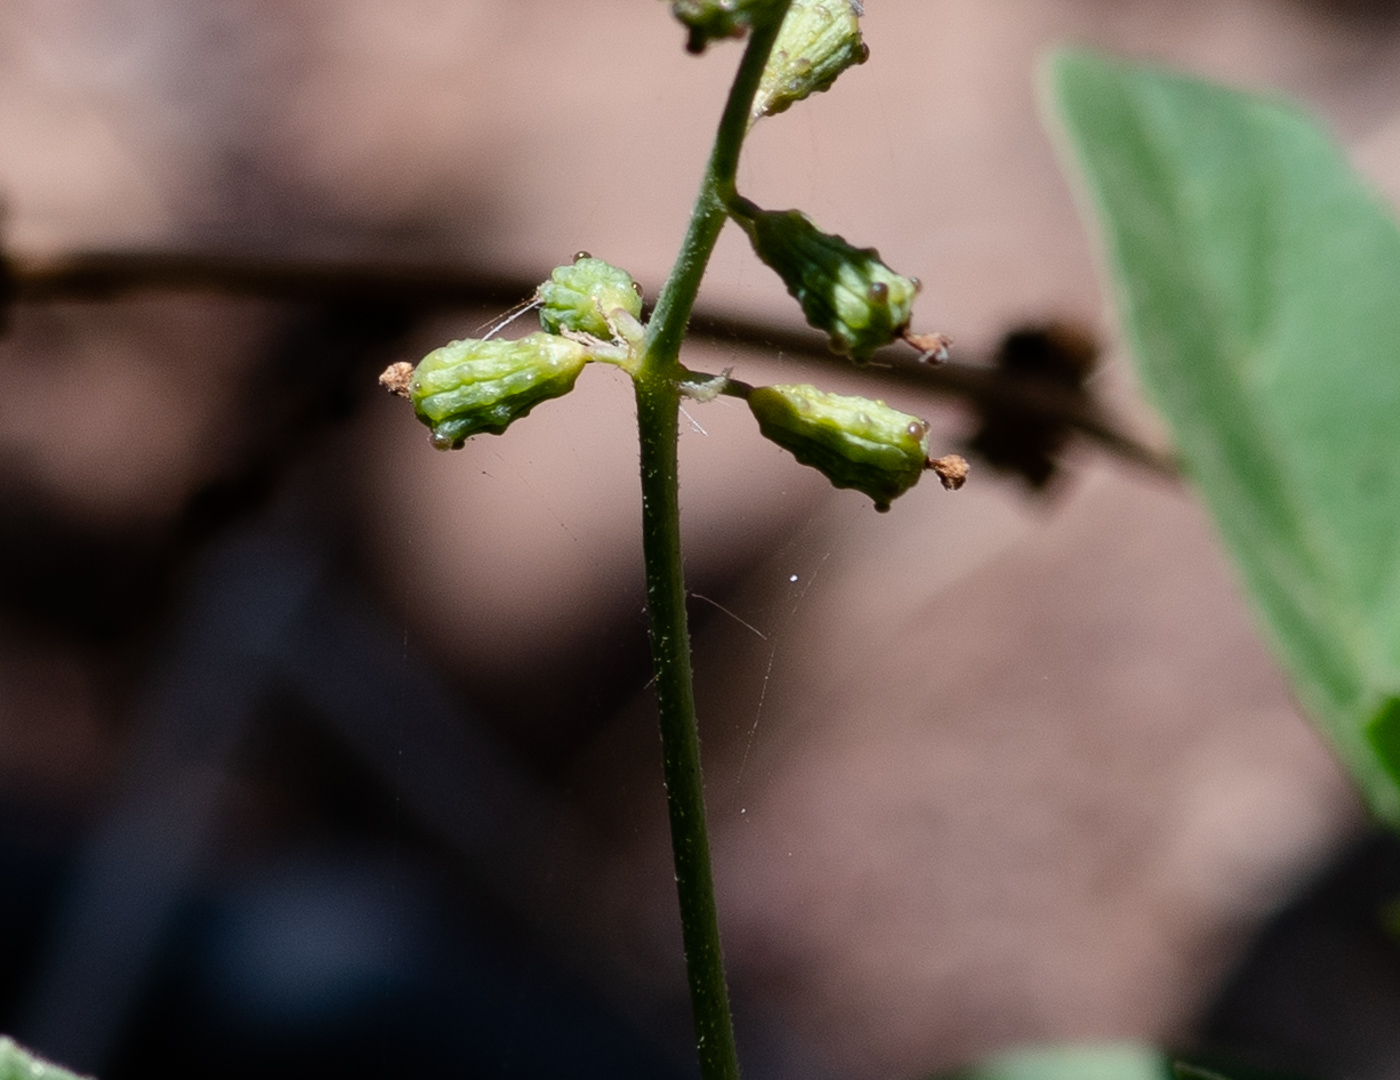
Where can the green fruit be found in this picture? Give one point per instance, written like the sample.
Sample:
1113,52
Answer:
846,291
819,39
711,19
856,442
472,386
584,297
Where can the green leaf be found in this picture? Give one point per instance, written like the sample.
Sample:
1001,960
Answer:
1258,282
1101,1061
1114,1061
18,1064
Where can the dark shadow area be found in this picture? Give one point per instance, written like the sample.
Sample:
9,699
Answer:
310,856
1318,991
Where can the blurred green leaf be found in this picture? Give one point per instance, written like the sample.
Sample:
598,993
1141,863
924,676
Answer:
1258,282
1097,1061
1116,1061
16,1063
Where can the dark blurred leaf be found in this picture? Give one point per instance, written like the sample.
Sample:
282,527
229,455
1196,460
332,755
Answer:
1182,1071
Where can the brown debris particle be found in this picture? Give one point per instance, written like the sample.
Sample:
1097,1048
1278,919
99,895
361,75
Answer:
933,348
952,470
396,378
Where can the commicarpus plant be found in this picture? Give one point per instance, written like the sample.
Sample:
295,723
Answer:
592,312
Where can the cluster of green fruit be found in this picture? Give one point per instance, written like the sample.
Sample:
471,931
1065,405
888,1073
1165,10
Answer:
591,311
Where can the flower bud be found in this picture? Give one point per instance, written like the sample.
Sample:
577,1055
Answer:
856,442
711,19
846,291
584,296
819,39
472,386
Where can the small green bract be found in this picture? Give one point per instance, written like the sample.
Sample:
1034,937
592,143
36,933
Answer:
584,297
846,291
474,386
857,443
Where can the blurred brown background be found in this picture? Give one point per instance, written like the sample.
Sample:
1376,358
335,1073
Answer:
321,752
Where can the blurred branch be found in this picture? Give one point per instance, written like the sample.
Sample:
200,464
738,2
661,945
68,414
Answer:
98,275
986,387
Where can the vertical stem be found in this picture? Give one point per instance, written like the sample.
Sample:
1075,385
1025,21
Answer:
677,298
657,412
658,405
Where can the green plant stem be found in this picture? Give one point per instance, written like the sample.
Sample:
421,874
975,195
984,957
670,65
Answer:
667,327
658,409
657,416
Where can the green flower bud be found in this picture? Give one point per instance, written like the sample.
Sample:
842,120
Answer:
711,19
846,291
856,442
472,386
584,297
819,40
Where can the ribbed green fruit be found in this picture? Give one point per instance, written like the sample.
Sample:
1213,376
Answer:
584,295
845,291
472,386
819,39
856,442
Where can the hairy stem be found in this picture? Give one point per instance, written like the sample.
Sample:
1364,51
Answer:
658,406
